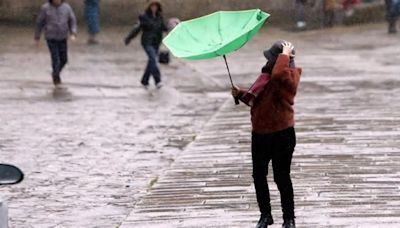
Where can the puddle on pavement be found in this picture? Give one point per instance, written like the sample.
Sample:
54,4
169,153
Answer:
61,94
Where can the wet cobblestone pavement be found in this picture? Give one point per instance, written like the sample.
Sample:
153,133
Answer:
90,150
102,152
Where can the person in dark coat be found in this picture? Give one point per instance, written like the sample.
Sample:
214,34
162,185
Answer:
273,138
58,21
391,16
152,25
92,15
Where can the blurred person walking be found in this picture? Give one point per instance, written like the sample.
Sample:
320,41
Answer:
329,13
392,14
152,25
58,21
273,138
92,15
300,14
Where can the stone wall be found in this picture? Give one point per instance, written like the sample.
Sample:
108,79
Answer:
125,11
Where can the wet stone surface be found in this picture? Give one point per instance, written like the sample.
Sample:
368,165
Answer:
92,148
102,152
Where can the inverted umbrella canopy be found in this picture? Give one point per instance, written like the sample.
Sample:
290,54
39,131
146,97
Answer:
215,35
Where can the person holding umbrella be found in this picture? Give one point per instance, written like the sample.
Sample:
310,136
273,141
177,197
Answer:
271,97
273,139
151,23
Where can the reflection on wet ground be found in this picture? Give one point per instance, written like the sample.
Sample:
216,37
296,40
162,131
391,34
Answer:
61,94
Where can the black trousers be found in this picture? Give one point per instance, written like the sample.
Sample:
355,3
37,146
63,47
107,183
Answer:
277,147
391,18
59,55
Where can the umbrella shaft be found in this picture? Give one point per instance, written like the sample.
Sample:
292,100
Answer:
230,77
229,72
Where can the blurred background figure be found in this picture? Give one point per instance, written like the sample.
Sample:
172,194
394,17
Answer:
152,25
300,8
57,20
348,7
92,15
329,13
392,14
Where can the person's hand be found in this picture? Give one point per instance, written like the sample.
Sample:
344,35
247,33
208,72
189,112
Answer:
287,48
126,41
73,37
235,91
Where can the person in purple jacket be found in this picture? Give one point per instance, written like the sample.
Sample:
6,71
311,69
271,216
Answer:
58,21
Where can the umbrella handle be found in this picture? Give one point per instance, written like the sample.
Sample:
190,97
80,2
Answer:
236,101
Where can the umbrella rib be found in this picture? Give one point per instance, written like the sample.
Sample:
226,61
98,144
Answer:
193,36
248,35
190,33
219,27
248,22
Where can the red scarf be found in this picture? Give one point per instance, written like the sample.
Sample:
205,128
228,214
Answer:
255,90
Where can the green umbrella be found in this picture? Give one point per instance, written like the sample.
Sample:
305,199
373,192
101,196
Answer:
215,35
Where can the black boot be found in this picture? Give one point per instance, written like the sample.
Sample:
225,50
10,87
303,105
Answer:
289,223
265,220
56,80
